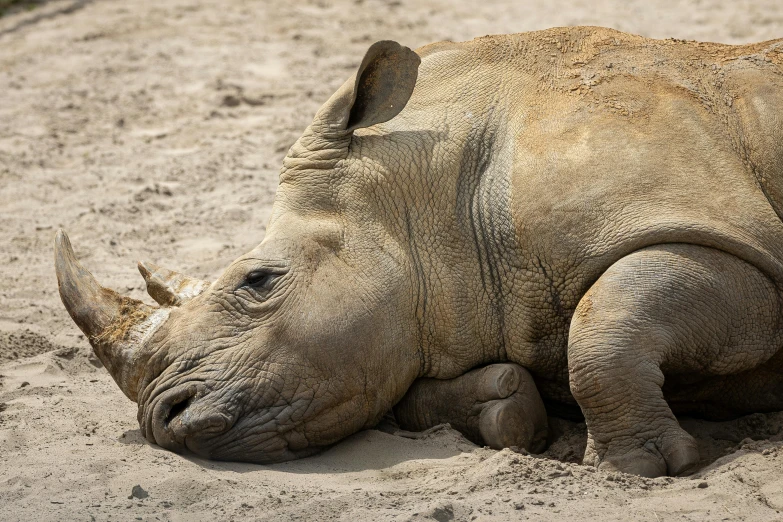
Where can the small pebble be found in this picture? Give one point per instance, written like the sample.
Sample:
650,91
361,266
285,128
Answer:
138,492
702,485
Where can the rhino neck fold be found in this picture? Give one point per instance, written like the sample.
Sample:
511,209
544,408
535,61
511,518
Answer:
316,151
454,220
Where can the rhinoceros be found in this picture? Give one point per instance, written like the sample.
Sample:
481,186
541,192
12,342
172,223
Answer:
576,216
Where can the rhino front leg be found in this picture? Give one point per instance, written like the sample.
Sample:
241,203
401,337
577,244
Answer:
678,309
497,405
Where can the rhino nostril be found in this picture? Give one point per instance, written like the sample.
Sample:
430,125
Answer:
162,418
187,417
178,408
196,418
203,419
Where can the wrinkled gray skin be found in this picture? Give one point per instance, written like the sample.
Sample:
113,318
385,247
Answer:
599,208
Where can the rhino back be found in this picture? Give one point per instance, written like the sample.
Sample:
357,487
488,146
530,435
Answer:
650,150
545,157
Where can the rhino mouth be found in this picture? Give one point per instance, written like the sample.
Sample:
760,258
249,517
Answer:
191,418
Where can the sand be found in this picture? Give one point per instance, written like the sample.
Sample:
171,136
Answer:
155,130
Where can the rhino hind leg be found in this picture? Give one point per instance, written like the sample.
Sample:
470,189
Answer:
692,312
497,406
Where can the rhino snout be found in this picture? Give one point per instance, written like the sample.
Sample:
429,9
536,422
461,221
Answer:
186,417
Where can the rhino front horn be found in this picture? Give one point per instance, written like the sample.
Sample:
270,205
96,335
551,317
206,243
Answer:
115,325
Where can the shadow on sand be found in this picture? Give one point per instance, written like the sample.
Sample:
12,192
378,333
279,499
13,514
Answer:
8,8
366,450
377,450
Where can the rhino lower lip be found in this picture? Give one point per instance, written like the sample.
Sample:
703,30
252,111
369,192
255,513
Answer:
266,448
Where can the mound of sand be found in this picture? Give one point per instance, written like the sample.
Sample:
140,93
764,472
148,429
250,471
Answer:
155,130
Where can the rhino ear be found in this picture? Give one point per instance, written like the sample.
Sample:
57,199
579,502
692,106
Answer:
384,83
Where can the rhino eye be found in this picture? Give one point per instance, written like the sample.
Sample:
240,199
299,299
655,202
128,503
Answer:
259,279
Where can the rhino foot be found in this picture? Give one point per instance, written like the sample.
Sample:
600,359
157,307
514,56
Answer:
672,452
497,406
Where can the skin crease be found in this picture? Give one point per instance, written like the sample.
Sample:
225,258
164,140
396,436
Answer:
468,228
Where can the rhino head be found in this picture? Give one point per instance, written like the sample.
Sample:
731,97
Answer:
309,337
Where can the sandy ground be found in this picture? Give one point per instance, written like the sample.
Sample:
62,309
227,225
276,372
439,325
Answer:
154,130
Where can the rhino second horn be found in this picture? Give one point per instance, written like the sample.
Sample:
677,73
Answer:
115,325
169,288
